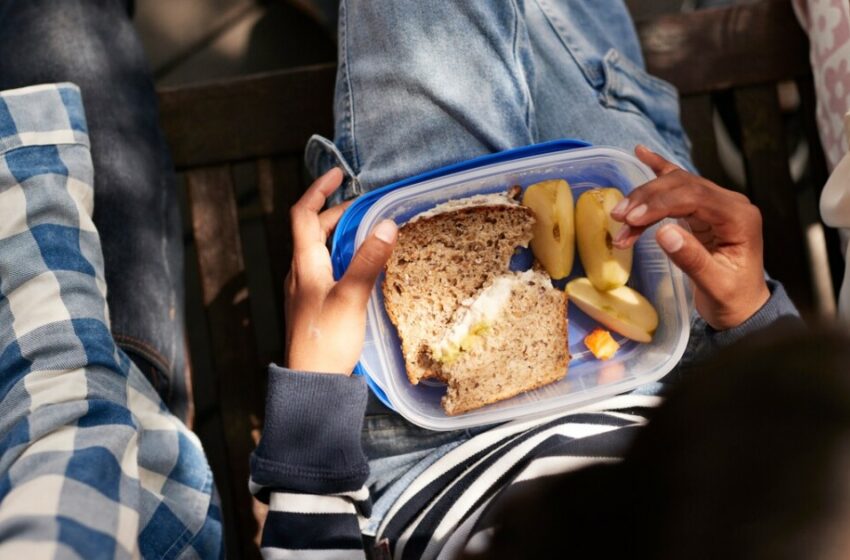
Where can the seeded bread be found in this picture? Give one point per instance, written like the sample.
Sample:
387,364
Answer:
443,259
520,348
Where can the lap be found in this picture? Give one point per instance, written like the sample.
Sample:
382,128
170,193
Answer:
425,85
420,86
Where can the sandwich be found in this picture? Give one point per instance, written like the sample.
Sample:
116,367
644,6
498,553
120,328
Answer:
451,262
510,339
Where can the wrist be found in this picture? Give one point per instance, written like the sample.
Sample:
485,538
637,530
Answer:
777,307
324,362
736,313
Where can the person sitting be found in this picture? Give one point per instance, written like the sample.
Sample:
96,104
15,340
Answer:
419,87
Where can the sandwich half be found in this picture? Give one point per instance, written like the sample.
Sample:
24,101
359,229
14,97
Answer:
444,257
509,339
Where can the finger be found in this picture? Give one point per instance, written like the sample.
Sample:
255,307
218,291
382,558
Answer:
683,195
315,197
654,161
330,217
306,227
356,284
690,256
659,166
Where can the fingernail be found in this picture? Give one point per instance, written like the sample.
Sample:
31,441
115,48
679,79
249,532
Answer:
642,147
386,231
620,208
622,234
670,239
637,212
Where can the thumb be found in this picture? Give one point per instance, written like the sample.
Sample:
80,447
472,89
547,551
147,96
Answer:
356,284
689,255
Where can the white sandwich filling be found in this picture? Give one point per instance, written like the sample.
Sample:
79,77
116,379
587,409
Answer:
498,199
480,315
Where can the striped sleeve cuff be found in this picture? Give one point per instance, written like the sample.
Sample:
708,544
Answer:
311,440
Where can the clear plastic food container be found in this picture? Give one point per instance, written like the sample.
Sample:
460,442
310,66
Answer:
588,380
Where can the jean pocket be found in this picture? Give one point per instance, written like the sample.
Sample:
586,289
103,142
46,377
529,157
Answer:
628,87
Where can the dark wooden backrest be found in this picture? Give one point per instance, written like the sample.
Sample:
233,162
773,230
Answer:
239,146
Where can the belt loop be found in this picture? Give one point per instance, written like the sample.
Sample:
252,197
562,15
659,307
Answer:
320,156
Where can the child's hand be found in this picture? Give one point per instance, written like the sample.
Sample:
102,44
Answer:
723,256
326,320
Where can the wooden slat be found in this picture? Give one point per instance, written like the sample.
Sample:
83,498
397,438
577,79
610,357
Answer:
771,189
698,121
716,49
247,118
827,261
225,296
819,175
281,184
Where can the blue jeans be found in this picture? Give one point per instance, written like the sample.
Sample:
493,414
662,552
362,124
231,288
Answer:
424,84
93,44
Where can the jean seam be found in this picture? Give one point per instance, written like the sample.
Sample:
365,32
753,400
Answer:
529,109
592,75
149,352
611,98
345,72
640,74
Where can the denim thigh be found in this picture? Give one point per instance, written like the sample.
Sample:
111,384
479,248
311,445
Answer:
93,44
422,85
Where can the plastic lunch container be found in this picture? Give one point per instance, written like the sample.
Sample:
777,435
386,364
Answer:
588,380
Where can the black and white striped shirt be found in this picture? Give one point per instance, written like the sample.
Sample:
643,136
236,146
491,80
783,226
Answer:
444,508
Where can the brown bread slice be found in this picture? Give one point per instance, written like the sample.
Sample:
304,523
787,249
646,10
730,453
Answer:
523,348
440,261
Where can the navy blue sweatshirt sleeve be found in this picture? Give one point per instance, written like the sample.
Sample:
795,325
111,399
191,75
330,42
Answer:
779,306
706,341
311,439
310,467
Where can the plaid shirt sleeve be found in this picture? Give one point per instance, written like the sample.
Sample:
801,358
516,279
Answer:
92,465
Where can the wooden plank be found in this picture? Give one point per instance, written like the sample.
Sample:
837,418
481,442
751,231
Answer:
698,121
225,296
772,190
819,176
281,183
247,118
716,49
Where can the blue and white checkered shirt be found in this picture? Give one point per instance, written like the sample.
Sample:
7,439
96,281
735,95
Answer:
92,465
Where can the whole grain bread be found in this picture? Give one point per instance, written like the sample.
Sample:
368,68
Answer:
524,348
443,259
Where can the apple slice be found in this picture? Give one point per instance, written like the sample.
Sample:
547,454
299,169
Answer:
606,266
553,243
622,309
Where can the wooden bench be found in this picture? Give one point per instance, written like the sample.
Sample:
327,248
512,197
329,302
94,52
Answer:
239,144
